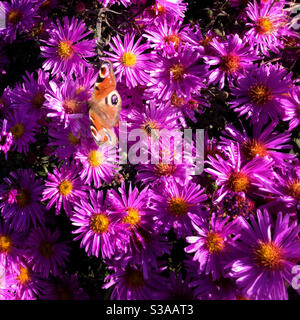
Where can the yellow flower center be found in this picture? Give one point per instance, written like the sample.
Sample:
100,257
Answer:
214,242
99,223
254,147
294,188
24,276
72,106
178,206
264,25
73,140
15,16
5,244
177,101
206,41
230,63
177,72
268,255
65,187
133,217
172,38
46,249
95,158
38,100
164,169
260,94
128,59
134,278
65,49
238,181
158,10
23,198
17,130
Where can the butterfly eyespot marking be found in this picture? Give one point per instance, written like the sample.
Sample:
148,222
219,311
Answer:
114,100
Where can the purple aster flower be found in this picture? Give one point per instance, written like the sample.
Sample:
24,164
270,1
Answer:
97,227
64,188
66,47
6,102
291,107
266,253
268,26
44,253
259,92
11,251
284,189
25,284
19,17
234,176
65,287
174,202
133,208
67,102
99,163
177,73
229,59
106,3
130,61
130,284
263,142
6,138
20,197
23,128
212,244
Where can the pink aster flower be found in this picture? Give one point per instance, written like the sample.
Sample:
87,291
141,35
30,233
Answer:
174,202
106,3
97,227
64,188
259,92
232,175
66,47
266,253
45,253
268,26
20,197
212,244
291,107
130,61
99,163
178,73
229,59
6,138
23,128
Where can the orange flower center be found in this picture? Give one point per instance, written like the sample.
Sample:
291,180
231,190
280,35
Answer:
158,10
254,147
214,242
5,244
150,125
46,249
73,140
164,169
206,41
264,25
15,16
65,49
23,198
18,130
268,255
65,187
38,100
24,276
294,188
177,101
177,72
72,106
172,38
178,206
99,223
260,94
134,278
238,181
230,63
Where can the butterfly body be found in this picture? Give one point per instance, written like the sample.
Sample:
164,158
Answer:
105,106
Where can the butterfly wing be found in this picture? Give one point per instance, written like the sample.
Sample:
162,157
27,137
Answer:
105,106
